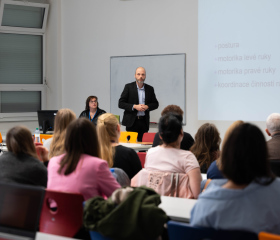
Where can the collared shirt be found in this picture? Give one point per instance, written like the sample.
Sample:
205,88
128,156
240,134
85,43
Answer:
141,97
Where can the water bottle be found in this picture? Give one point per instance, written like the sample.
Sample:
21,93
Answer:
37,136
112,170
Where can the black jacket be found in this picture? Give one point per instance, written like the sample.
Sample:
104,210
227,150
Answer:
85,114
129,97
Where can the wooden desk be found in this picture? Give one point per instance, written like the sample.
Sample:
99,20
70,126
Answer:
137,146
178,209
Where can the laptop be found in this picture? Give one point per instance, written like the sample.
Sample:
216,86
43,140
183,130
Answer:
20,210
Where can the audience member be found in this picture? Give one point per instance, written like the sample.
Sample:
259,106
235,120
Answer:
214,171
206,145
55,145
20,164
273,130
117,156
80,169
92,111
187,141
249,199
168,157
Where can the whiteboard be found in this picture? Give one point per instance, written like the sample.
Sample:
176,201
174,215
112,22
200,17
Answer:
165,72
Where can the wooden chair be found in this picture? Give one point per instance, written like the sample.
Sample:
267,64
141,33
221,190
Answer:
142,157
67,219
182,231
130,137
148,137
268,236
44,137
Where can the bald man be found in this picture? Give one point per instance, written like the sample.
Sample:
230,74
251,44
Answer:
138,99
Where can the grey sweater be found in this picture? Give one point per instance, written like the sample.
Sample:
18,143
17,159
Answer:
23,169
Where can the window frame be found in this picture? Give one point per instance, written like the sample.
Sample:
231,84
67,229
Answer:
26,116
23,29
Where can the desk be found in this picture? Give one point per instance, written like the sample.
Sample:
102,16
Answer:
46,236
178,209
137,146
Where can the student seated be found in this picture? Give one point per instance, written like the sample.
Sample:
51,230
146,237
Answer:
55,145
187,140
168,157
249,199
20,164
117,156
214,171
80,170
206,145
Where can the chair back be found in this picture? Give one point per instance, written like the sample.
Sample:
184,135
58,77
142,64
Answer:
142,157
275,166
98,236
182,231
1,139
67,219
130,137
118,117
148,137
268,236
44,137
164,183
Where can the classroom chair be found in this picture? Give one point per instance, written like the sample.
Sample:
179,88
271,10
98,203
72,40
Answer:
1,139
67,219
118,117
148,137
142,157
183,231
130,137
268,236
44,137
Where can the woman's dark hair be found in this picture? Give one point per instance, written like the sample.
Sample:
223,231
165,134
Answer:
170,127
19,141
88,100
81,138
206,144
244,156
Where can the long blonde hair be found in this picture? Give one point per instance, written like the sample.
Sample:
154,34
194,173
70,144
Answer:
19,141
107,125
227,134
62,119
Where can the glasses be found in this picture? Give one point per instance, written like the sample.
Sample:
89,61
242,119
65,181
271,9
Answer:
93,101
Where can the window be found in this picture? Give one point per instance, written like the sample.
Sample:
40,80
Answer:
22,90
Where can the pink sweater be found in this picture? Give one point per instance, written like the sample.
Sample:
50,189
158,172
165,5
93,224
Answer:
92,177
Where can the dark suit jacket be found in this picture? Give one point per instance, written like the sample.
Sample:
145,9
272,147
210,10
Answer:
129,97
273,147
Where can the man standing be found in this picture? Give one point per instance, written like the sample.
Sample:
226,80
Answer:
273,130
138,99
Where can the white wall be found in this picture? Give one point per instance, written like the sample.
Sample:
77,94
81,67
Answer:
84,34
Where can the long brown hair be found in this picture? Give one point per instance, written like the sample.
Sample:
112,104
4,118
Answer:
206,144
62,119
81,138
19,141
107,125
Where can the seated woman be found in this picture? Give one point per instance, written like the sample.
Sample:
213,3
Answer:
80,170
168,157
92,111
249,199
187,140
20,164
214,171
117,156
206,145
55,145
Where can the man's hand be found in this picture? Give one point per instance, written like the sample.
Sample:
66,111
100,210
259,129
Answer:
140,107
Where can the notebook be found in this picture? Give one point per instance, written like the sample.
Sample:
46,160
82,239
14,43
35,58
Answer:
20,210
